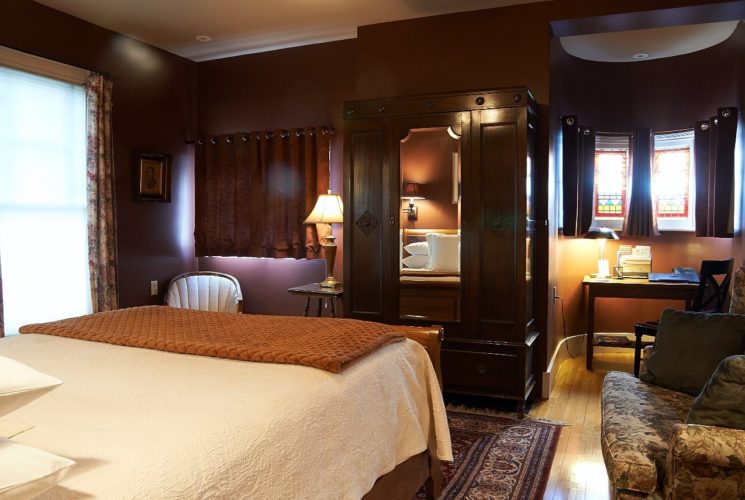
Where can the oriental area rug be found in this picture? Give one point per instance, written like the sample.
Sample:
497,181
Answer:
497,457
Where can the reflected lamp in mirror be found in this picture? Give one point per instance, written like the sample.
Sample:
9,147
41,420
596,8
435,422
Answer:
329,210
412,191
601,234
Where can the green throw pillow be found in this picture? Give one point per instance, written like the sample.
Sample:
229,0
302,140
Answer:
690,346
722,402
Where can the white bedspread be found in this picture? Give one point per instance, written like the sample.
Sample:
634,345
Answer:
149,424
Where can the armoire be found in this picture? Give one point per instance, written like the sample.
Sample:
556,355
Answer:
489,348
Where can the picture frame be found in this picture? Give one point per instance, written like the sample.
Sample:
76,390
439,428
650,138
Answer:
152,177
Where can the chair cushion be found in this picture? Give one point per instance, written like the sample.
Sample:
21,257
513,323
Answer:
637,426
690,346
204,292
722,402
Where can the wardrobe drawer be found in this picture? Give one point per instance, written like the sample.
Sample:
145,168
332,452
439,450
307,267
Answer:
479,372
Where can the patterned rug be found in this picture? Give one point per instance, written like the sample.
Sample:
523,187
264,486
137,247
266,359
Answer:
497,457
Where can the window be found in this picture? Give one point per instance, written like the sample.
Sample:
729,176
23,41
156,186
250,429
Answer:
612,159
43,205
673,181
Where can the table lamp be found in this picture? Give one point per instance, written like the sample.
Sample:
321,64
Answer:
601,234
328,210
412,191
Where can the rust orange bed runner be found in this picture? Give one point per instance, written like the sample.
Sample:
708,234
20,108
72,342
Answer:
328,344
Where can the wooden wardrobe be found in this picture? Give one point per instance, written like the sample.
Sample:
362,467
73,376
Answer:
490,349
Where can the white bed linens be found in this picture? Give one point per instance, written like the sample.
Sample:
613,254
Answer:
150,424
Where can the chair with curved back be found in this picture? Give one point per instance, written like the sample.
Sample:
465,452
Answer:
713,285
205,291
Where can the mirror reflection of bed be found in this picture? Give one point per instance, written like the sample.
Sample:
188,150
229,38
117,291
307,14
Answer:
429,281
432,291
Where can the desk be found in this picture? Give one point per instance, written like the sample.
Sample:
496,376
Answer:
315,290
630,288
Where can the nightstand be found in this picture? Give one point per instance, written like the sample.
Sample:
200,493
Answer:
315,290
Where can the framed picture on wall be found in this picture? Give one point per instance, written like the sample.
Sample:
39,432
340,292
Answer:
152,177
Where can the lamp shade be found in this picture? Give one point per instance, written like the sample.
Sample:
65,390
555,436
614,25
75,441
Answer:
601,233
412,190
329,209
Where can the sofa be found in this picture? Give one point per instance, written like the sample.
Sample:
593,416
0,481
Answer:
650,452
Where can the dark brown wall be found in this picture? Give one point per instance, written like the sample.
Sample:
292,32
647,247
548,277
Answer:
475,50
154,110
662,94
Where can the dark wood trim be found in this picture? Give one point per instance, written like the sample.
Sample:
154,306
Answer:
407,478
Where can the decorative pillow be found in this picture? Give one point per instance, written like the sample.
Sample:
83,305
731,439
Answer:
444,252
737,303
722,402
20,384
418,248
27,472
416,261
690,346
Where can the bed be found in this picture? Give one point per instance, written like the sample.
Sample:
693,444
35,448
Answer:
144,423
426,293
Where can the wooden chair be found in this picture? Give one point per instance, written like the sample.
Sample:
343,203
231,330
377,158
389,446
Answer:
714,279
205,291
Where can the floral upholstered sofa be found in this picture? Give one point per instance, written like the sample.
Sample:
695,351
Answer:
650,452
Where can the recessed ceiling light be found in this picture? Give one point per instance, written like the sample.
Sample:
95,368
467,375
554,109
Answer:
207,38
640,55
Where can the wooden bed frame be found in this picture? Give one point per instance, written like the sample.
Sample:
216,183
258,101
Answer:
404,481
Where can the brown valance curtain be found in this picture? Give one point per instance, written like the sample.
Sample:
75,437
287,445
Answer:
640,218
578,176
714,144
255,189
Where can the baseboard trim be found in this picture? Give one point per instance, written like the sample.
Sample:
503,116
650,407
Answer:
576,346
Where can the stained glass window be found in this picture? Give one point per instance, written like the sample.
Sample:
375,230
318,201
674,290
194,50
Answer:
611,173
672,180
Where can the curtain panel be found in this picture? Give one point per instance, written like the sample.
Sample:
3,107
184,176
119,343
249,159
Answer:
714,150
578,176
640,220
255,189
102,249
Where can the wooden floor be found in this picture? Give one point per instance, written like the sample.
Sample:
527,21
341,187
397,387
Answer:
578,471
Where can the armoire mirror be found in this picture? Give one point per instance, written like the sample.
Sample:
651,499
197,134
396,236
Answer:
429,255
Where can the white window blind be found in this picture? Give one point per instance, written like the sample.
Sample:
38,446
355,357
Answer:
43,214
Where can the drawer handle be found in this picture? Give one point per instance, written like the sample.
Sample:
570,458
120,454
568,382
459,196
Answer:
481,369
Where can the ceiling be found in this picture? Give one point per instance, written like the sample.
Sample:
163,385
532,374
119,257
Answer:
248,26
646,44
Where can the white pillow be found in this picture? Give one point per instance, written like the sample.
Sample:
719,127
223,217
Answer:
416,261
444,252
27,472
21,384
418,248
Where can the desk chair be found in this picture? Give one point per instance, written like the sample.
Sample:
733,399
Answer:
205,291
713,285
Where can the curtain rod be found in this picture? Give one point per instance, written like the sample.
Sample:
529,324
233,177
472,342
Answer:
245,137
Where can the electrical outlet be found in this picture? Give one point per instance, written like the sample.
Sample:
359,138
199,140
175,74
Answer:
154,288
556,295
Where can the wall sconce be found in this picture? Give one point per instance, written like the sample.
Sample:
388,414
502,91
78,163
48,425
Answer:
412,191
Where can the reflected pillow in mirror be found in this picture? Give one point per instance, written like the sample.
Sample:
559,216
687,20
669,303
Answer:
418,248
444,252
416,261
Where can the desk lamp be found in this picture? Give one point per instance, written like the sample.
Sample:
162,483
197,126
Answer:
601,234
329,210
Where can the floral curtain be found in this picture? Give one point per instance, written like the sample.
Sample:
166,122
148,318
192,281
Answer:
255,189
102,251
